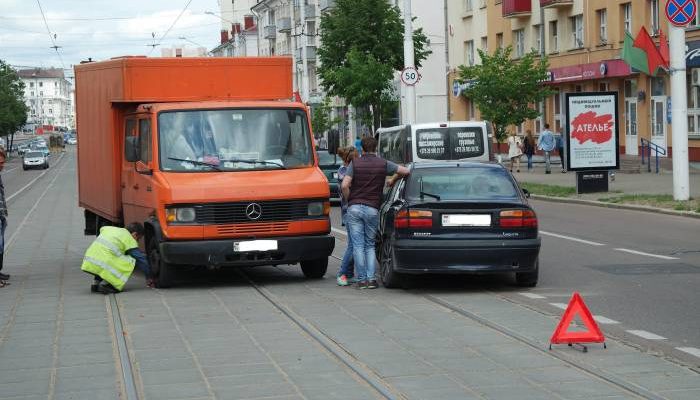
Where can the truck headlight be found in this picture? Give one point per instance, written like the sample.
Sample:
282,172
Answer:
319,208
180,214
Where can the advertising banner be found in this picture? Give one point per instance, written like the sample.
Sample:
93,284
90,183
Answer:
592,131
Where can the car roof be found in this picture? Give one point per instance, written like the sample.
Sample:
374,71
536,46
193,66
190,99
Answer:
456,164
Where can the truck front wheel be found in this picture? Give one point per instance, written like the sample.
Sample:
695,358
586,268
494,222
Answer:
162,271
314,269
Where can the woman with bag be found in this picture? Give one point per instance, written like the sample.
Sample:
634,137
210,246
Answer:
515,151
529,148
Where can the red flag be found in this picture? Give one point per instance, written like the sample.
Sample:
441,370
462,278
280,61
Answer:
654,59
663,49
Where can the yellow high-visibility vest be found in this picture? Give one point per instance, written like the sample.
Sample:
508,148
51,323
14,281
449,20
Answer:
106,257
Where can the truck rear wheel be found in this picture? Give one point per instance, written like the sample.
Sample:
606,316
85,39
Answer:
314,269
162,271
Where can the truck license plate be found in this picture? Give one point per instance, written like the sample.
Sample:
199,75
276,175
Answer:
255,245
466,220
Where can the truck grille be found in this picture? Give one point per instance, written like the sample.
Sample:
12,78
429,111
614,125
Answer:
252,229
237,213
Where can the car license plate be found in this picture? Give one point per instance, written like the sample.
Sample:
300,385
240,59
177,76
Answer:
255,245
466,220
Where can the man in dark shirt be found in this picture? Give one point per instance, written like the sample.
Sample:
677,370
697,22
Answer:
3,219
362,187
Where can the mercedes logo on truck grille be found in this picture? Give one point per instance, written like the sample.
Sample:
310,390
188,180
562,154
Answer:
253,211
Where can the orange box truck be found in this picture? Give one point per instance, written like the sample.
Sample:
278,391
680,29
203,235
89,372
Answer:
210,154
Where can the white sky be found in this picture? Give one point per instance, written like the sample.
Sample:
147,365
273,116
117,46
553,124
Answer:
101,29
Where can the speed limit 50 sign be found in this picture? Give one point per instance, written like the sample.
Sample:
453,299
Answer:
410,76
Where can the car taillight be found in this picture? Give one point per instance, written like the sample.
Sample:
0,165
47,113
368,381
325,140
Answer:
413,219
518,219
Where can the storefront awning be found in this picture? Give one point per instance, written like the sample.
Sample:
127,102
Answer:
586,72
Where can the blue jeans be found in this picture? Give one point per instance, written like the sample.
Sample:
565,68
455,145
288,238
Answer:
3,223
345,268
141,261
362,227
547,161
529,161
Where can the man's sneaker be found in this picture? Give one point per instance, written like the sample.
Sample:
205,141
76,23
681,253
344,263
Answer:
362,284
4,277
95,287
107,289
372,284
342,280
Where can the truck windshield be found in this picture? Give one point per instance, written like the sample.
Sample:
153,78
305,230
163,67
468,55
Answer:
233,140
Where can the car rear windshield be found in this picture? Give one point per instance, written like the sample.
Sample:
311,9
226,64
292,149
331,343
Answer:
457,183
34,154
449,143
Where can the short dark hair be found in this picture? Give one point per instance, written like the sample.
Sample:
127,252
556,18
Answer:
369,144
136,227
546,126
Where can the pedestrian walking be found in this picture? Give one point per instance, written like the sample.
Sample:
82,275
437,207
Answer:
561,143
363,186
546,144
3,221
358,144
529,148
515,151
346,272
112,256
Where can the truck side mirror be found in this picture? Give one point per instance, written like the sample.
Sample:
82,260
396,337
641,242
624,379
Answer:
333,141
131,149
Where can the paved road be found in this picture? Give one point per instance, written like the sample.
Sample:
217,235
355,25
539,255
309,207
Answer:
267,333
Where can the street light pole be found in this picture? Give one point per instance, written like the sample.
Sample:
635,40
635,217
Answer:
408,56
679,113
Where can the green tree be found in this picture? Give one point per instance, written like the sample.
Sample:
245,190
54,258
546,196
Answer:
321,120
504,89
13,111
361,48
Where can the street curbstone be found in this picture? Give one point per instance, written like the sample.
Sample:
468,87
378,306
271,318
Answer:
633,207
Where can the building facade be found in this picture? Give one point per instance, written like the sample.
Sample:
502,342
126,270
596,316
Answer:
48,95
239,29
583,40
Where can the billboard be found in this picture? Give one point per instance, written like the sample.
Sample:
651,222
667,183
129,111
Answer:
592,131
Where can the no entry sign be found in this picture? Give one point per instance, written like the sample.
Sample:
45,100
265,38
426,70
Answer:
681,12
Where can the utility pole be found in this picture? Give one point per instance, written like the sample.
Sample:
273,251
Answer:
408,56
679,113
304,58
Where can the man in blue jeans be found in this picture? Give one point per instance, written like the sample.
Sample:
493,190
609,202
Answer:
363,186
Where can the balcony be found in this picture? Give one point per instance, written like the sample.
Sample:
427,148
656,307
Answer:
556,3
284,24
309,12
270,32
517,8
309,54
326,4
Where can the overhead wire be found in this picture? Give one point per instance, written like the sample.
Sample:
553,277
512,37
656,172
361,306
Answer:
169,28
55,47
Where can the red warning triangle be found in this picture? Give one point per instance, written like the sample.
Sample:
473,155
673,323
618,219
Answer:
593,334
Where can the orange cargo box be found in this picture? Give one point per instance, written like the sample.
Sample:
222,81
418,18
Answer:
105,90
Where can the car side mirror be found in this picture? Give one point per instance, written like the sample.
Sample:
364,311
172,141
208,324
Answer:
131,149
526,193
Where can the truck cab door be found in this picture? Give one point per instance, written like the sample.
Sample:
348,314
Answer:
140,200
127,172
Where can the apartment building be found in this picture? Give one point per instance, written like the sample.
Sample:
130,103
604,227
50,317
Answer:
582,40
48,95
239,30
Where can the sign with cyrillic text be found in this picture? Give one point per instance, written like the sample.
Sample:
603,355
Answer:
592,131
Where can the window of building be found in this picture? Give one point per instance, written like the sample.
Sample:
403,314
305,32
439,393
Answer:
631,88
485,44
654,16
41,93
557,104
469,52
554,37
537,38
271,17
468,5
519,41
55,84
482,4
626,17
499,40
577,31
657,87
50,110
602,26
31,84
603,87
41,84
32,93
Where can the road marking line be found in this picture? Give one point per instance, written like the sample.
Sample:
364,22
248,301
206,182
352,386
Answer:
690,350
32,181
560,305
532,295
572,238
646,335
603,320
338,231
641,253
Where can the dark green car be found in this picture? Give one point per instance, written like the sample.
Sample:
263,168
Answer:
329,164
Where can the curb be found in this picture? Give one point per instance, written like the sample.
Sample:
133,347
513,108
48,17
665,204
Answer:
617,206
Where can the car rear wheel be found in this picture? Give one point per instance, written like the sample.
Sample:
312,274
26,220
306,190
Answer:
314,269
528,279
163,271
390,279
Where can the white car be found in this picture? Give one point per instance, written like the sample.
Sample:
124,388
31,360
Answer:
35,159
72,140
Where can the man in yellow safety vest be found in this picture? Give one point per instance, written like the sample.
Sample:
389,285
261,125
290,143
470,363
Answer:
112,256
